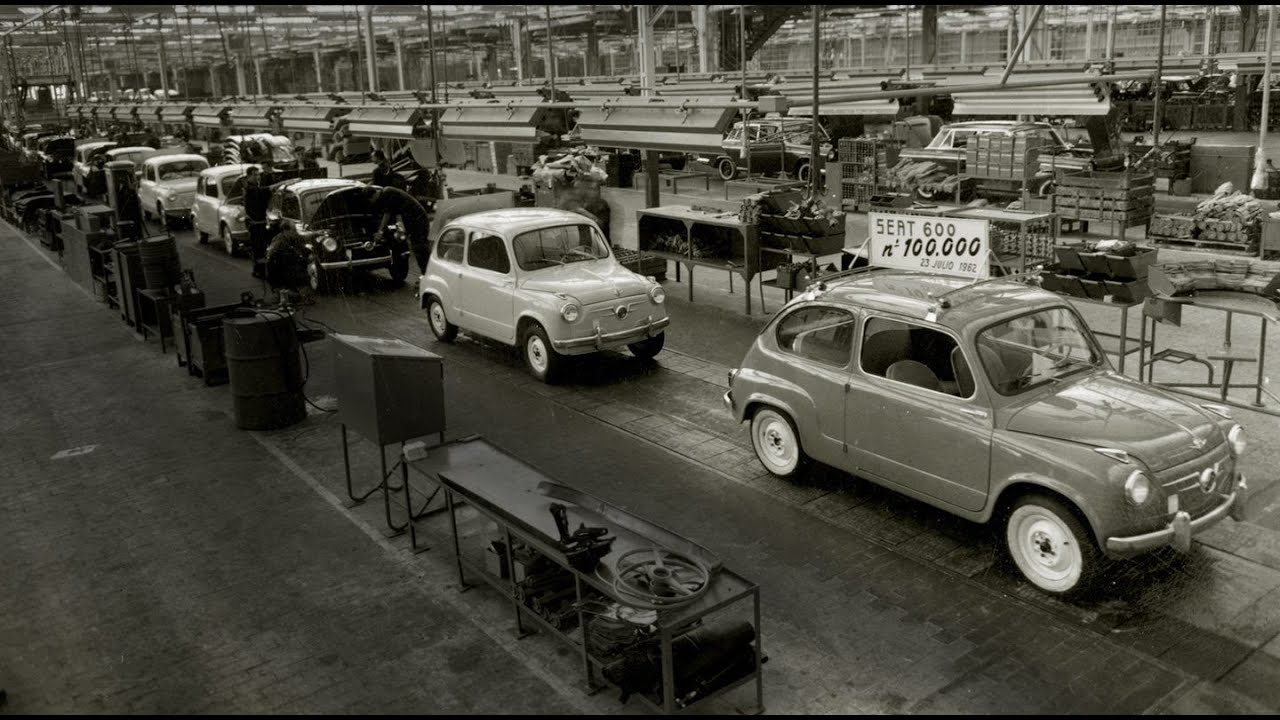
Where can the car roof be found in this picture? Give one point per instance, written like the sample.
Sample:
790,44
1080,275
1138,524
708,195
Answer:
166,159
513,221
94,144
218,171
301,186
916,295
130,149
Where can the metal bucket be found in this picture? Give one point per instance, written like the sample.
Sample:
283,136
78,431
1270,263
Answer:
264,368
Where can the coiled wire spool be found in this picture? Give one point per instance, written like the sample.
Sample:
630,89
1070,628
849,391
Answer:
657,579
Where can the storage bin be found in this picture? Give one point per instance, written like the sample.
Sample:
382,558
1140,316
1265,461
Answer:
1070,285
1131,267
1126,291
1095,263
1069,257
1096,289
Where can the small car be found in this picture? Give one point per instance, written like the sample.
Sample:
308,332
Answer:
168,186
218,207
85,172
777,144
544,280
994,402
56,154
340,219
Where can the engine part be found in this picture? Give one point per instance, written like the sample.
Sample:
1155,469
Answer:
703,660
583,547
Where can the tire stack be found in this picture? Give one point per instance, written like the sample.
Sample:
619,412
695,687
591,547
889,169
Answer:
160,267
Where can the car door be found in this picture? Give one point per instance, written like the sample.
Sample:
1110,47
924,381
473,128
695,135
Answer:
487,286
906,421
204,209
445,273
147,190
815,343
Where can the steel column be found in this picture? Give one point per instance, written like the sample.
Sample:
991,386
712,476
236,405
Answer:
315,55
164,61
399,43
371,51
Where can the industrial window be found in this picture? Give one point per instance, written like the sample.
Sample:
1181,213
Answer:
450,245
821,334
488,252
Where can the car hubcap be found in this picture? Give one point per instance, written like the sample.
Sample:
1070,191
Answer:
777,448
437,318
537,353
1046,547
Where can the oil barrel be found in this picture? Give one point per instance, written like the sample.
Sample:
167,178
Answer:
160,266
264,368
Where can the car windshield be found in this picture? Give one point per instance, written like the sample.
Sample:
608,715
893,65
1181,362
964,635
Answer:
311,201
559,245
1033,349
184,169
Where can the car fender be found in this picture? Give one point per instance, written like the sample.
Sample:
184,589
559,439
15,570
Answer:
769,389
430,285
1089,480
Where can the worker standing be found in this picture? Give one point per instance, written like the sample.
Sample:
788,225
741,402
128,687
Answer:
256,198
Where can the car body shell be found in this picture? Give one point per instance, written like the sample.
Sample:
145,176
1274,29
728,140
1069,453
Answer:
347,220
217,205
948,147
971,456
171,198
500,305
777,145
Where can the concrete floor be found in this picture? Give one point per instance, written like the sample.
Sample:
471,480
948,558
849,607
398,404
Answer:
167,562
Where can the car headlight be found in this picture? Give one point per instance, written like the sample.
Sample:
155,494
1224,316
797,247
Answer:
330,244
1137,489
1238,442
570,312
657,294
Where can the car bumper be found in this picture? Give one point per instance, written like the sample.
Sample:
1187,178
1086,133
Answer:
600,341
379,261
180,213
1180,530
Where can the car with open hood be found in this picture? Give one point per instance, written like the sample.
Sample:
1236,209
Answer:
57,154
995,402
541,279
348,225
168,185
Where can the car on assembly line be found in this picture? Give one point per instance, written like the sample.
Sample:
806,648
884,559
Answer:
541,279
992,401
168,186
218,207
344,223
85,172
775,144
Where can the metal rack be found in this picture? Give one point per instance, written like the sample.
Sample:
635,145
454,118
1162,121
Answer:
517,498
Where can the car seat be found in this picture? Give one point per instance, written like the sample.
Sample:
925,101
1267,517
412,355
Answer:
884,348
913,372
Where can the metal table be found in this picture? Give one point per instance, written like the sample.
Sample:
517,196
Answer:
517,498
1231,303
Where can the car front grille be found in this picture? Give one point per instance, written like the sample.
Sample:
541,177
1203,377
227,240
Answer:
605,314
1184,480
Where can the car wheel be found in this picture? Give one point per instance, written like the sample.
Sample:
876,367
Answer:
727,168
543,361
317,277
399,265
802,172
776,442
444,330
228,243
1050,546
203,237
648,348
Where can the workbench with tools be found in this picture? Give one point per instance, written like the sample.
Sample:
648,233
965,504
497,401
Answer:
634,599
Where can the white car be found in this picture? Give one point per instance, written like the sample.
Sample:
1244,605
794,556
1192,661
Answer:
218,207
84,169
168,186
544,280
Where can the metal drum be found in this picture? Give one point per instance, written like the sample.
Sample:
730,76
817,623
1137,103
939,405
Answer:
160,266
265,369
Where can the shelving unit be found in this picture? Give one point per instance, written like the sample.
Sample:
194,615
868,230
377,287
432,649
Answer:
863,161
102,271
721,241
515,498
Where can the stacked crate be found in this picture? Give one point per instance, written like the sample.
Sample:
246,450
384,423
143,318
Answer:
1003,157
863,164
1124,198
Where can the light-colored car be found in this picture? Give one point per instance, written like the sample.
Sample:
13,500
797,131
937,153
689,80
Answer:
544,280
218,207
993,402
135,154
84,170
168,186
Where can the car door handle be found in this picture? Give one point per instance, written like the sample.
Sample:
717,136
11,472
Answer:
974,412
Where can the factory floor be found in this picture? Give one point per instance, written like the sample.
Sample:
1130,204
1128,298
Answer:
159,560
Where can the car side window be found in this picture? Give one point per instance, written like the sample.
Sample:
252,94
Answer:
450,245
210,188
915,355
289,207
821,334
488,252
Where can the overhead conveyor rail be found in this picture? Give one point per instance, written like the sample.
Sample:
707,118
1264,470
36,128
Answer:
211,116
510,121
309,118
252,117
384,121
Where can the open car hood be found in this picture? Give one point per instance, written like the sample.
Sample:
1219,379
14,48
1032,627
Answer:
347,211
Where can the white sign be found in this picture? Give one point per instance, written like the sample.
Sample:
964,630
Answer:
947,246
